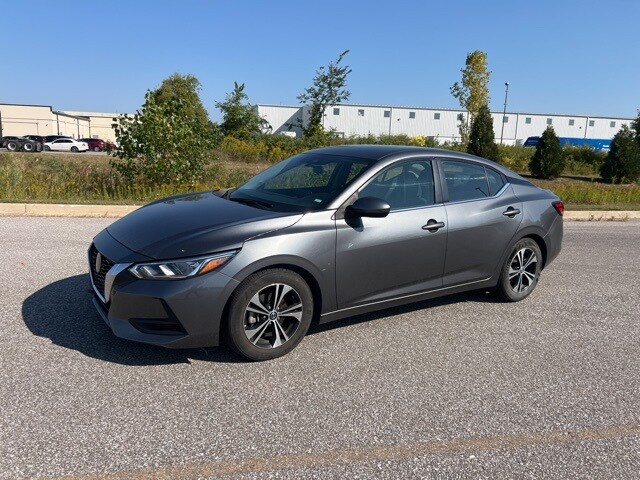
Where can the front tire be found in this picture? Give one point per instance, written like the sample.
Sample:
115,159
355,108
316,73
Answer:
269,314
47,148
521,271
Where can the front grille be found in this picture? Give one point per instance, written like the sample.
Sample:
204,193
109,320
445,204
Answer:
97,277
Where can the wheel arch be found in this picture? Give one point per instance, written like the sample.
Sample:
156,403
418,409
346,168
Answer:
305,273
534,233
541,244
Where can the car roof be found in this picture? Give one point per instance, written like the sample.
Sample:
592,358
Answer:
378,152
381,152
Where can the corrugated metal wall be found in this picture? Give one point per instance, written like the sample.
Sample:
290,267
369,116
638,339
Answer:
442,124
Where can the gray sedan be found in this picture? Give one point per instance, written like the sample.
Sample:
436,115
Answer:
326,234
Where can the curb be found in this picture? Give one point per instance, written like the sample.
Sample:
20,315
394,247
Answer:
117,211
63,210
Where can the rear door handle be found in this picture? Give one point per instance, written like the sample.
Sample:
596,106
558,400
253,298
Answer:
433,226
511,212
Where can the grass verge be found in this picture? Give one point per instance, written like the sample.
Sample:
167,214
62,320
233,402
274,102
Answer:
89,179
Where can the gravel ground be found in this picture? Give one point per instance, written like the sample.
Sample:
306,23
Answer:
460,387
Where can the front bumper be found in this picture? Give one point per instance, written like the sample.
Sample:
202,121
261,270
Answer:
172,313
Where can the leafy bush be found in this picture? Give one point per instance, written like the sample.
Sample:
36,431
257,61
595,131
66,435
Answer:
582,160
623,161
516,158
162,143
548,159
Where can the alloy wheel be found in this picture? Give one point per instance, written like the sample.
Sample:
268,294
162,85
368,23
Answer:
273,315
522,270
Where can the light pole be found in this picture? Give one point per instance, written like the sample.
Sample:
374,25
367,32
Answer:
504,111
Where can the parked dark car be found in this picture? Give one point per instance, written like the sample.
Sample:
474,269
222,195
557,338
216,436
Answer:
19,144
36,138
324,235
51,138
95,144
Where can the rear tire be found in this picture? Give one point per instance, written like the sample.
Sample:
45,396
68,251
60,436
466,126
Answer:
96,149
521,271
12,146
74,149
269,314
29,147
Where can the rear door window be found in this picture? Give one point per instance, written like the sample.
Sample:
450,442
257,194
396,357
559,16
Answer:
465,181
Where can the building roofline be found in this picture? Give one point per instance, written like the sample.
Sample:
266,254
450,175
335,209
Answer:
458,110
91,114
25,105
79,117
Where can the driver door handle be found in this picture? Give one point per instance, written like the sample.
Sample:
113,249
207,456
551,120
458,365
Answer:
433,226
511,212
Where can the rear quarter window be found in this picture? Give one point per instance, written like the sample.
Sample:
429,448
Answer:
496,181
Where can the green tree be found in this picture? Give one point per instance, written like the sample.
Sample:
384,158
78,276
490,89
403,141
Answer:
548,159
623,161
329,88
473,90
240,118
635,126
186,89
481,137
165,142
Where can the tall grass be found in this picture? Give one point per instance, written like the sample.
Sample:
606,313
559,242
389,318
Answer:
592,193
49,178
90,179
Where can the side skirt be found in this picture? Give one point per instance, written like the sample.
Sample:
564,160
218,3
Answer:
397,301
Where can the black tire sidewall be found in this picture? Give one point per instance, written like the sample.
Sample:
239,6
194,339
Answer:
234,323
504,287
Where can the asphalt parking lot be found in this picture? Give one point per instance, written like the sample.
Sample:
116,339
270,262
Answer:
460,387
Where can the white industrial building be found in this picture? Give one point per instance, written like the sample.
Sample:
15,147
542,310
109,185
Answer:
346,120
439,123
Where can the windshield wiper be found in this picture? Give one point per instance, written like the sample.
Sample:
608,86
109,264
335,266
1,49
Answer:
252,203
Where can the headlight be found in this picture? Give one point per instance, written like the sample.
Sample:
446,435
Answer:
182,268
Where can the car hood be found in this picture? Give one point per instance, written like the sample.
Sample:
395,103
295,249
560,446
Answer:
194,224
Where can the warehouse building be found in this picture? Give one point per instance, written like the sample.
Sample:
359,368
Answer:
20,120
439,123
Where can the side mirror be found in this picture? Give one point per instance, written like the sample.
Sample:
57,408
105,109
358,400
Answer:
368,207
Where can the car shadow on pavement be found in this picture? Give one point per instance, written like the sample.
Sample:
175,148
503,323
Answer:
63,312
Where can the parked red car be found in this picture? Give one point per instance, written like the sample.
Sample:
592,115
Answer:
95,144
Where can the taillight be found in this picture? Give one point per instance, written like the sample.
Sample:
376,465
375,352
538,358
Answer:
559,206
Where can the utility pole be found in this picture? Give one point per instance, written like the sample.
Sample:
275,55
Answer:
504,111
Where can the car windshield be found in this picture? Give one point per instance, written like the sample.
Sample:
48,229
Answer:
303,183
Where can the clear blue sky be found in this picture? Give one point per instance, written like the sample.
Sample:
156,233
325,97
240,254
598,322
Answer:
560,56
